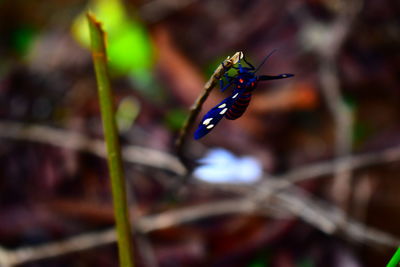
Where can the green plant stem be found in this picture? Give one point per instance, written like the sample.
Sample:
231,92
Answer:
395,259
125,247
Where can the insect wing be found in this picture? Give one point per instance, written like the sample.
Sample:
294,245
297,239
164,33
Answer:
215,114
269,77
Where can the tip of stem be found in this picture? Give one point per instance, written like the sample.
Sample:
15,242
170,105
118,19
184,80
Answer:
92,18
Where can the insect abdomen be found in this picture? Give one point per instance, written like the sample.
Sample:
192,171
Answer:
239,107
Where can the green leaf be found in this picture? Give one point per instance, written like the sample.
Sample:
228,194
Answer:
129,47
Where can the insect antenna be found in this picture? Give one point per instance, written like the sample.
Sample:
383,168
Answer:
265,59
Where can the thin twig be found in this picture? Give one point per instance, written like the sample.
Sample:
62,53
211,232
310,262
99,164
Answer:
349,163
330,219
143,225
158,159
195,109
76,141
320,214
326,40
192,213
330,85
343,119
325,217
364,189
54,249
114,156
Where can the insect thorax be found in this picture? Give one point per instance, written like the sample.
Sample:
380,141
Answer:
246,80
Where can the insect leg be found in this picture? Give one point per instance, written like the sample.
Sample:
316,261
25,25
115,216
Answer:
226,86
229,80
240,67
250,65
221,84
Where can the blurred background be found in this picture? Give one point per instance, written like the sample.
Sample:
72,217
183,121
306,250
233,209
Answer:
307,177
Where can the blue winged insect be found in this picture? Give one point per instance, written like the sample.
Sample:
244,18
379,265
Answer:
232,107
